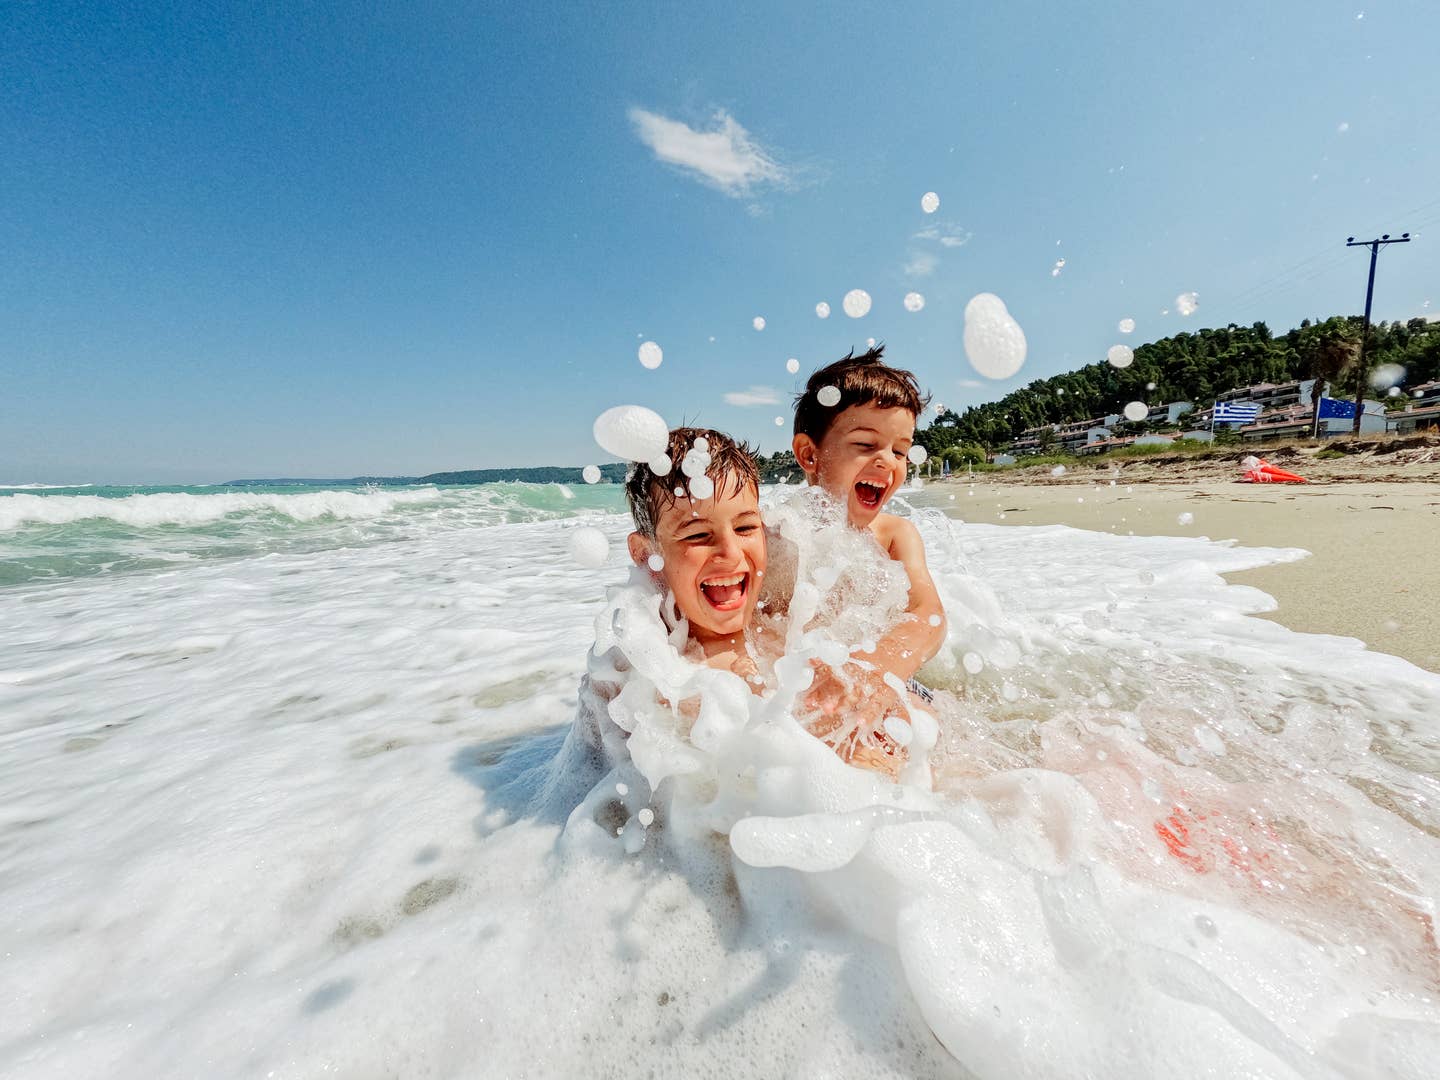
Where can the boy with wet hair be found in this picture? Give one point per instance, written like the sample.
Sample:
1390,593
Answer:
854,428
698,527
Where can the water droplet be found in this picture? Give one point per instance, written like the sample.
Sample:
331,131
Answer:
828,396
972,661
1126,326
822,309
656,562
1136,411
994,342
929,202
779,421
646,817
591,474
914,301
702,487
1057,471
651,355
1187,303
1120,356
662,465
936,620
917,454
1206,925
792,365
856,303
1186,518
622,789
632,432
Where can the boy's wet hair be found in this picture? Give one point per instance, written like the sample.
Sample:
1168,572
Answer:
732,465
862,380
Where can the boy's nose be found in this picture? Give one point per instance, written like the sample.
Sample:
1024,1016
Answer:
730,547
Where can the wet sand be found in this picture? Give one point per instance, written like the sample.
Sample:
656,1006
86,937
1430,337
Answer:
1374,568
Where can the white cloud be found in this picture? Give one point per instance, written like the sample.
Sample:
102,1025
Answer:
949,235
971,384
756,395
921,264
725,157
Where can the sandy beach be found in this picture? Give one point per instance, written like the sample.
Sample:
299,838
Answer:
1374,568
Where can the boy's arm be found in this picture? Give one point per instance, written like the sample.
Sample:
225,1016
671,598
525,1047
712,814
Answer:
906,647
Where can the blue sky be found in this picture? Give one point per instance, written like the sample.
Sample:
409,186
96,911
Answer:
398,239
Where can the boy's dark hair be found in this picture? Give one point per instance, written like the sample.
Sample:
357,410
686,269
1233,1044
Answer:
862,380
650,494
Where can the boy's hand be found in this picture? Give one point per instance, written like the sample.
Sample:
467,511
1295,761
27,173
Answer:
865,696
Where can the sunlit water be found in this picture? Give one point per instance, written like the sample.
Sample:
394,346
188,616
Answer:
286,788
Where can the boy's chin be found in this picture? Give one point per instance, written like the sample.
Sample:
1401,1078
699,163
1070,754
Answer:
716,624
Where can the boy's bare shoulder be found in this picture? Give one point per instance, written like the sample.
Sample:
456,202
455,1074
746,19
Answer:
896,535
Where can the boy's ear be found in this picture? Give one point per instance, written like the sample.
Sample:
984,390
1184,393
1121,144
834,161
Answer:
639,545
807,454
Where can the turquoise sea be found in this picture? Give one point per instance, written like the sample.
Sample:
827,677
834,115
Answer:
57,533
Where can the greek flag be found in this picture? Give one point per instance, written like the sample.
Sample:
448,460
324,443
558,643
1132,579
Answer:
1245,412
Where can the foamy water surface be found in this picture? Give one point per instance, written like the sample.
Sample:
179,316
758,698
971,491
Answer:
288,805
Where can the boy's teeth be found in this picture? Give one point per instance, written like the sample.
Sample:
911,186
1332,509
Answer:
724,592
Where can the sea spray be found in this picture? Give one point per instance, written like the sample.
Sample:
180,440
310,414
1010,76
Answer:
306,812
1044,903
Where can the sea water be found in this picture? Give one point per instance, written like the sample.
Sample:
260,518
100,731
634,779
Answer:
305,782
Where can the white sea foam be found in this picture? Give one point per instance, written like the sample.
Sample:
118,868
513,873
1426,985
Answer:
328,812
182,508
41,487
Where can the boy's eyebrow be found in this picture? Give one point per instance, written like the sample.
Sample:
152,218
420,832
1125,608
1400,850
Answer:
870,430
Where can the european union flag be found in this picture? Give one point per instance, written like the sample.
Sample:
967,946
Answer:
1338,410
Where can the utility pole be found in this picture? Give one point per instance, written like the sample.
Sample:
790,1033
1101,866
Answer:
1374,246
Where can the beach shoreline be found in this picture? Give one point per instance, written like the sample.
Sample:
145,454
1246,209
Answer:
1372,571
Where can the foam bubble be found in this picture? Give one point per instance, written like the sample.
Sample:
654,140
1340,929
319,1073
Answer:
829,396
1136,410
929,202
914,301
589,547
792,365
918,454
1387,376
822,310
758,322
973,662
662,465
632,432
1120,356
856,303
651,355
1126,326
590,474
702,487
1187,303
994,342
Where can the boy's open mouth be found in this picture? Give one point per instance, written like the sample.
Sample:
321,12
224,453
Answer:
869,494
726,593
